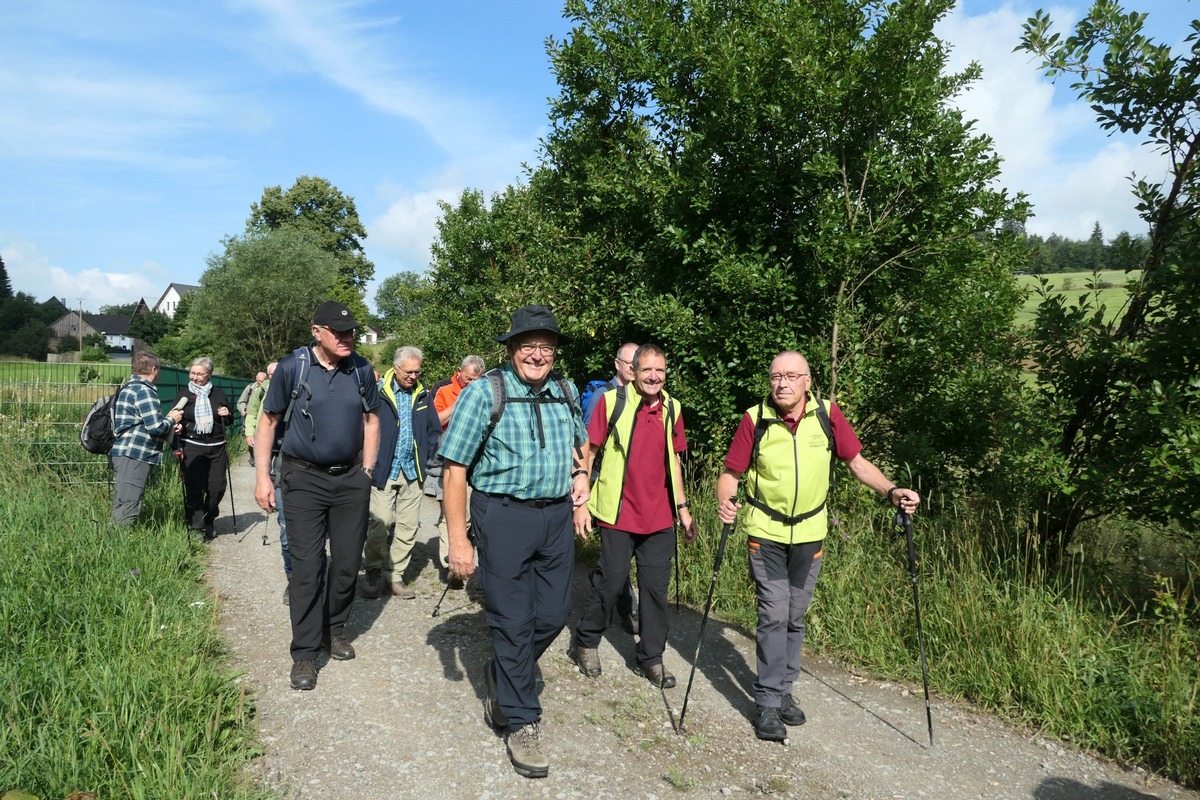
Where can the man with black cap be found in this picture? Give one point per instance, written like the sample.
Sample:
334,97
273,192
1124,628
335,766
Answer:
528,475
327,399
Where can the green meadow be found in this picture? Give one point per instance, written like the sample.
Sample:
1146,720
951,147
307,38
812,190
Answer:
1106,288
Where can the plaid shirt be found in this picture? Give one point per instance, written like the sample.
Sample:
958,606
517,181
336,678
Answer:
140,424
518,459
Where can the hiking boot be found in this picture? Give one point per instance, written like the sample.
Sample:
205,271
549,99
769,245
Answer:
401,590
492,714
304,675
587,659
767,726
340,648
657,674
790,713
525,751
373,587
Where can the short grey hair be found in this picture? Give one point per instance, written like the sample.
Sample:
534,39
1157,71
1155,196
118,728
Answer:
204,361
472,364
646,350
408,353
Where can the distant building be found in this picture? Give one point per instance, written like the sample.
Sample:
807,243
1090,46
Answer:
169,301
113,327
369,334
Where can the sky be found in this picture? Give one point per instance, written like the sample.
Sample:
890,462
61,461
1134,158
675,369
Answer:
134,136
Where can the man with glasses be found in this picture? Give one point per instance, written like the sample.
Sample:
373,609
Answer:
528,475
785,446
408,437
330,442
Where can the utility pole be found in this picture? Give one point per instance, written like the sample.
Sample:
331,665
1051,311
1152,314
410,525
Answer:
79,327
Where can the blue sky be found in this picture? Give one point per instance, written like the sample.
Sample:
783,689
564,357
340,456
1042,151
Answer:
135,135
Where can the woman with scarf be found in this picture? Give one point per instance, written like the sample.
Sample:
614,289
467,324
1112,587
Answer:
203,456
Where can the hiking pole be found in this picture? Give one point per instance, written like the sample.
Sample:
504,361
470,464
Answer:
904,522
438,608
712,588
229,478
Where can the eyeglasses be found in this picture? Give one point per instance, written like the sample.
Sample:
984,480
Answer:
415,373
626,363
339,334
195,374
790,377
542,349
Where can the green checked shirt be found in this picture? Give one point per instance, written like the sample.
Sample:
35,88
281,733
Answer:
530,453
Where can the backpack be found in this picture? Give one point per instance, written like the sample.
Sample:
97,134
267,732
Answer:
590,392
500,401
98,433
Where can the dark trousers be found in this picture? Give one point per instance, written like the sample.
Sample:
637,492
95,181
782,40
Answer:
320,507
653,553
204,484
526,562
785,577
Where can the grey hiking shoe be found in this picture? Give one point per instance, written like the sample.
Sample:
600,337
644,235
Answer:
768,726
525,751
400,589
657,674
492,714
587,658
790,713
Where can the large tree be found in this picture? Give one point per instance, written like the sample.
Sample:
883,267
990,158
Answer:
315,205
735,178
1121,402
256,298
5,285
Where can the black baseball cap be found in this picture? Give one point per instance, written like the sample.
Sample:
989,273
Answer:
335,316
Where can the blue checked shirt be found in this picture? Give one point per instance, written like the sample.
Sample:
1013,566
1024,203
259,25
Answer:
516,460
405,459
140,423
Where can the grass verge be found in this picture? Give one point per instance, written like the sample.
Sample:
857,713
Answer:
115,682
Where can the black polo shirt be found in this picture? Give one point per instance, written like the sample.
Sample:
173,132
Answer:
326,428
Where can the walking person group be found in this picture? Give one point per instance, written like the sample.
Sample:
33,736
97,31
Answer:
523,477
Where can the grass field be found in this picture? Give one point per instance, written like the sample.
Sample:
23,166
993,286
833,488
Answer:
1111,295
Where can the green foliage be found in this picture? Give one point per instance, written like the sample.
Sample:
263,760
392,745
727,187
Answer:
5,284
93,355
150,327
1118,401
315,205
24,325
1057,253
256,298
120,309
120,688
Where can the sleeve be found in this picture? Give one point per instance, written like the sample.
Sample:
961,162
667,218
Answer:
678,436
581,434
742,447
441,399
280,390
597,427
371,393
150,410
845,442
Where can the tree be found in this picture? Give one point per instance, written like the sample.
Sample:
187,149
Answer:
5,285
737,178
150,327
402,296
120,309
256,298
1121,402
313,204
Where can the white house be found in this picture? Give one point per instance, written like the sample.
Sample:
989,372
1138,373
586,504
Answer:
169,301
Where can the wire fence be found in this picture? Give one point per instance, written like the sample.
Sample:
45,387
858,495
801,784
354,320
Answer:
42,407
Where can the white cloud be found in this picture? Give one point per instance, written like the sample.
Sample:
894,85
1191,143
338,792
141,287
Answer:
33,272
1053,149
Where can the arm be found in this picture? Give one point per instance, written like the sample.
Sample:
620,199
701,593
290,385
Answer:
462,554
443,415
727,488
871,476
370,439
681,502
264,437
583,517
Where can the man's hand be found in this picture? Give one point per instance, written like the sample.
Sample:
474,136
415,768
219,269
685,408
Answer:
689,525
462,557
583,522
905,499
581,491
264,494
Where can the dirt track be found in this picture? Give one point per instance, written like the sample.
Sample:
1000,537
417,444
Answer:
404,719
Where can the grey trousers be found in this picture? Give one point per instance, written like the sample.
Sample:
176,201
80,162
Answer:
129,487
785,577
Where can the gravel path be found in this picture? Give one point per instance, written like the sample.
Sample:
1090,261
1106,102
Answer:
404,719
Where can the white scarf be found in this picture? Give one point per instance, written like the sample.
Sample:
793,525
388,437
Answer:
204,412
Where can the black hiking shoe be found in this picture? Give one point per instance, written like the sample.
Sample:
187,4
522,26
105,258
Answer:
304,675
767,726
790,713
586,658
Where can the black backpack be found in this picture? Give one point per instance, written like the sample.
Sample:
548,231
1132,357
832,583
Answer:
97,434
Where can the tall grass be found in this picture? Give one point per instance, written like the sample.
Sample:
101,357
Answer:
1049,651
114,680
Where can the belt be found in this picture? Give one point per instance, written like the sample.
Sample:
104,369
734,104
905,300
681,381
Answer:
543,503
335,469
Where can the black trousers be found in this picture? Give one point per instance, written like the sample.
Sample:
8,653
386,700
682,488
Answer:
526,563
323,507
653,553
204,470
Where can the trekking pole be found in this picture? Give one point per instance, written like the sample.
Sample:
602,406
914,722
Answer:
229,478
438,608
712,588
904,522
